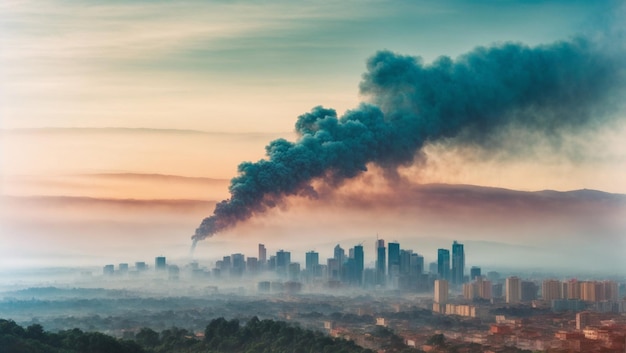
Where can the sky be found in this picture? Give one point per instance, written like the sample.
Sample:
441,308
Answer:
122,123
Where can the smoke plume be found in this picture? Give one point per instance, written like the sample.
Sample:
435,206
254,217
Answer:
565,87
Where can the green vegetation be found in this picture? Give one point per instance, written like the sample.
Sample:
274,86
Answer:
33,339
220,335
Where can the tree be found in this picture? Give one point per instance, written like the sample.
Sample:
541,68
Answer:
147,337
35,332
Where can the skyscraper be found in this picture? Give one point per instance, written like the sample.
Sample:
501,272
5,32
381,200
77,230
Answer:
484,287
108,270
551,289
528,291
440,296
393,262
262,254
238,264
283,259
381,265
339,254
417,264
405,261
359,263
333,268
441,291
140,266
312,261
443,263
611,290
160,264
513,290
458,263
474,272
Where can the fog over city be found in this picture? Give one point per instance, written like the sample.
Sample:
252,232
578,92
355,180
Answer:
327,176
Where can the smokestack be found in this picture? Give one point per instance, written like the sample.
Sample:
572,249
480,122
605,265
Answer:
565,87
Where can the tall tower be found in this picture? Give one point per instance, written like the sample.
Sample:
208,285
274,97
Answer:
443,263
381,266
312,261
405,261
513,290
359,264
551,289
340,254
458,263
417,264
262,254
440,296
393,262
283,259
239,264
441,291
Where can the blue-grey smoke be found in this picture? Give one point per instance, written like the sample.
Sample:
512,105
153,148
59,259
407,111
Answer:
568,86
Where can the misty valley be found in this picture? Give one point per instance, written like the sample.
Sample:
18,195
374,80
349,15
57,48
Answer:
75,310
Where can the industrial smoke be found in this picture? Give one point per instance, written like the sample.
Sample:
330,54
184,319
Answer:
565,87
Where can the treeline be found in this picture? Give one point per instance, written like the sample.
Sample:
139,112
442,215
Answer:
220,335
33,339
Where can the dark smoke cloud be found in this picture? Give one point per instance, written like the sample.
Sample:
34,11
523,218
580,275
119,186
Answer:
567,86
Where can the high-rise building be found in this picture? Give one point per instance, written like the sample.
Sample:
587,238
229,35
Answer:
294,271
484,288
262,254
283,259
611,290
592,291
334,269
479,288
474,272
433,268
458,263
496,290
271,263
312,261
381,265
140,266
226,264
441,291
513,290
252,265
339,254
238,264
551,289
470,291
393,260
405,261
359,263
573,289
123,267
108,270
529,291
160,264
443,263
417,264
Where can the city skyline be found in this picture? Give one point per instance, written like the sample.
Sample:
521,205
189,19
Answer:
123,123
